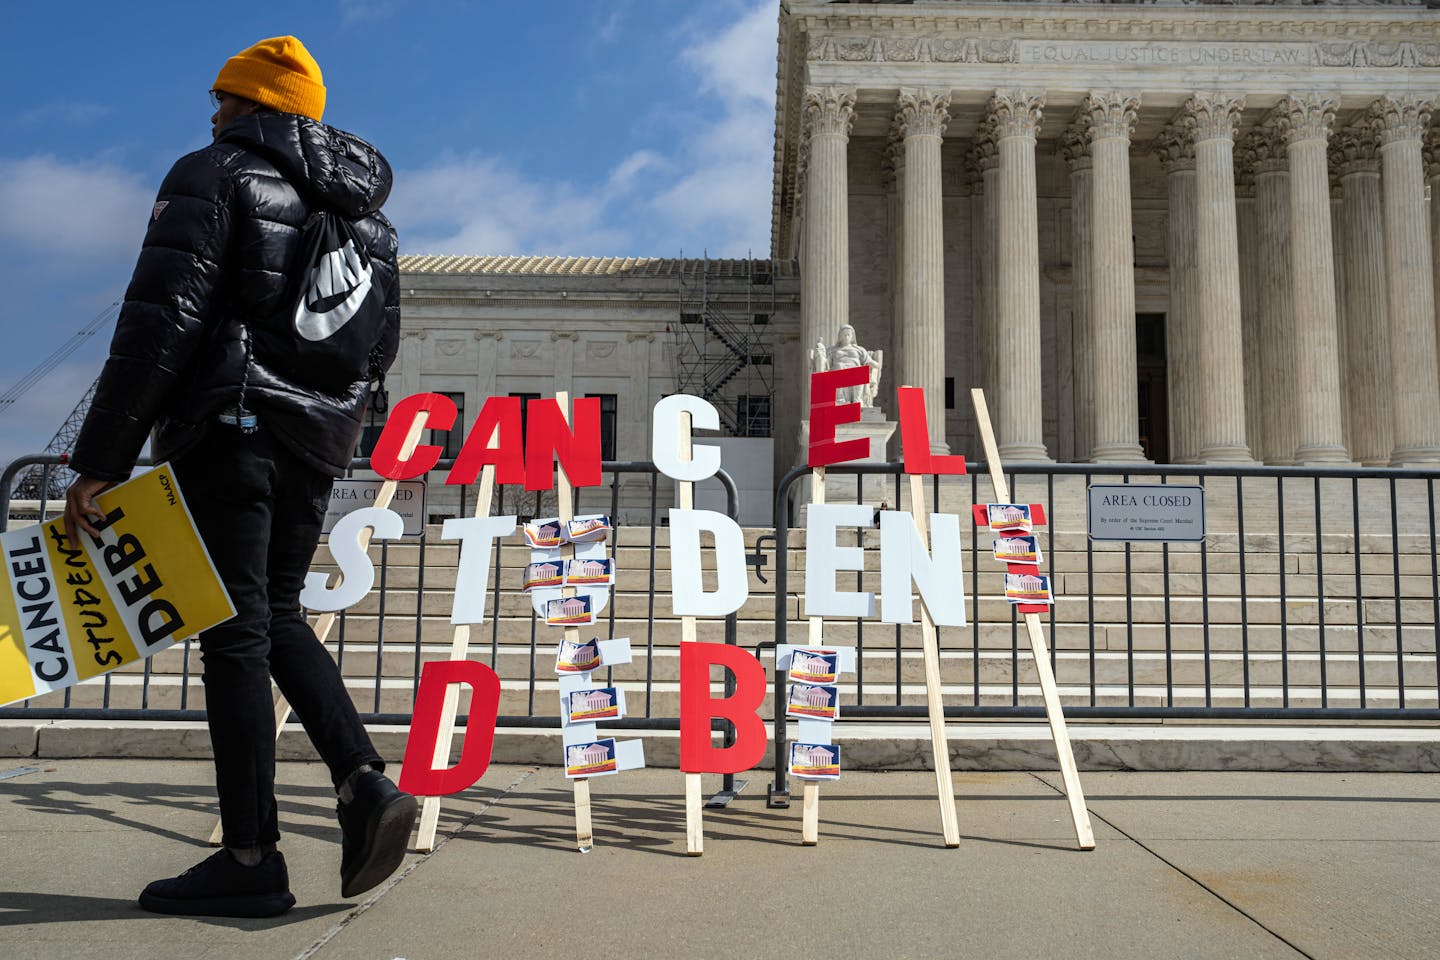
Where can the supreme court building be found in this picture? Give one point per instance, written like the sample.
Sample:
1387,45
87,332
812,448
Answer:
1179,231
1184,231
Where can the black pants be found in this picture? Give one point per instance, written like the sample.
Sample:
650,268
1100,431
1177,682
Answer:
259,510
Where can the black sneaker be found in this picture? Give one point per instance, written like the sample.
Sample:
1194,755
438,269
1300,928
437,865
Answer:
375,832
221,886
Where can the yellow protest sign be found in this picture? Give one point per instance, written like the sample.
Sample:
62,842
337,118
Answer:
68,613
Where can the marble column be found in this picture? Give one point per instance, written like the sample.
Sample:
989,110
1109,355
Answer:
1176,147
1117,414
825,273
1075,147
922,115
1362,249
1217,258
895,168
978,344
1431,156
1410,299
1020,430
1342,347
1305,121
1245,226
985,159
1277,347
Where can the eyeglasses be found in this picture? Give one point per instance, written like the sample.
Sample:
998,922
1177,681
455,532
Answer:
216,98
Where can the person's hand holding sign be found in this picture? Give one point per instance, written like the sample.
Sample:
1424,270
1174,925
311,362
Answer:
80,507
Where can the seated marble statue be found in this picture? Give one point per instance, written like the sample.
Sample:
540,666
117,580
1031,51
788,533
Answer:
844,353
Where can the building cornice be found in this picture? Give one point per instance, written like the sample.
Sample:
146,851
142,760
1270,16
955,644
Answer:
884,33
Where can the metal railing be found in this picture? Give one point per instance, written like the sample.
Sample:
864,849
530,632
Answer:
1314,595
374,633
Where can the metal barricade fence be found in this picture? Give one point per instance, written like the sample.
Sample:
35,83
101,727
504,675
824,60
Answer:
1314,595
384,640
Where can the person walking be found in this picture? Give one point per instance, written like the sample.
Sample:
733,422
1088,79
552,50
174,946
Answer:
252,378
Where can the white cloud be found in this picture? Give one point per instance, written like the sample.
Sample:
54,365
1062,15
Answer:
624,176
364,11
477,204
711,191
609,29
82,210
724,198
73,112
726,206
738,63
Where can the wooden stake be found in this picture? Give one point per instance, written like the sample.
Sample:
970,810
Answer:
810,810
810,815
1040,651
934,698
694,792
584,836
565,499
694,820
326,621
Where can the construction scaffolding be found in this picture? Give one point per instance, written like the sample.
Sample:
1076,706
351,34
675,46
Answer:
721,355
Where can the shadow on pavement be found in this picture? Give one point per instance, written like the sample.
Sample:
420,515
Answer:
18,908
98,801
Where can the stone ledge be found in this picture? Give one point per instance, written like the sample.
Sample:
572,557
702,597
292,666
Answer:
19,738
867,746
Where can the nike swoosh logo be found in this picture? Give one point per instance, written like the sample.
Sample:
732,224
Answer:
319,315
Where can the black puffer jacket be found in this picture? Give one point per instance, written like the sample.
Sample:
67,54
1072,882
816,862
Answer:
218,256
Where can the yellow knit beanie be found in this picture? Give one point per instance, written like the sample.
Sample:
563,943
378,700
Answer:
278,73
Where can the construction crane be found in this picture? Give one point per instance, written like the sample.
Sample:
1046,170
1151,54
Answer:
47,483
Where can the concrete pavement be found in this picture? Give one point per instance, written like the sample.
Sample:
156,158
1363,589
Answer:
1204,865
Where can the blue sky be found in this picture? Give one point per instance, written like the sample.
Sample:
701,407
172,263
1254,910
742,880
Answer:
624,128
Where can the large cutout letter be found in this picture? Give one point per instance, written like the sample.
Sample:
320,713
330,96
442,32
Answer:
502,415
826,415
697,707
824,558
915,437
687,589
417,776
385,458
548,438
357,573
665,438
941,579
472,577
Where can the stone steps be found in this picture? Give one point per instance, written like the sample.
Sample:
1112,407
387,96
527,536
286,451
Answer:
868,745
167,692
1066,551
956,665
1296,609
1107,635
1258,581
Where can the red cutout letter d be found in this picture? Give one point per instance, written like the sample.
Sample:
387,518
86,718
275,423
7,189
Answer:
419,776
